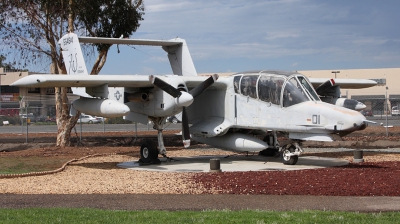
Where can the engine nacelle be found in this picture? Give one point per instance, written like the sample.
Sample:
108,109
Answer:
101,107
139,97
235,142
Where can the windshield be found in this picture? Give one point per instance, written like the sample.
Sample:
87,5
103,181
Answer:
309,89
293,93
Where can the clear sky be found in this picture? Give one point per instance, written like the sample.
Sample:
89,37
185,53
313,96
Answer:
240,35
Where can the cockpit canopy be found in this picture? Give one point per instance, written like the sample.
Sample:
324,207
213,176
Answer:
280,89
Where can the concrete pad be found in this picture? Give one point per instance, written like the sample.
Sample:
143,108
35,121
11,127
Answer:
234,163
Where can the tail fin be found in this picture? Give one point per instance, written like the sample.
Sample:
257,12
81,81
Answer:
73,60
72,53
180,59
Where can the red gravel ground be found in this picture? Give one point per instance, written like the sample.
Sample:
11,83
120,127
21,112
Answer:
361,179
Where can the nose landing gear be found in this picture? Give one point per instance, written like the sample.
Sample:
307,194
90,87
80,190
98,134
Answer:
290,153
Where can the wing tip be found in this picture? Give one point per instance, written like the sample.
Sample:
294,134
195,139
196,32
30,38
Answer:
152,78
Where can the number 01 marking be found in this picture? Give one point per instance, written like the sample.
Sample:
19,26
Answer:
316,119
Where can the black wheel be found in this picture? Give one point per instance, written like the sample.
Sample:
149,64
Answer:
90,122
289,160
174,120
148,154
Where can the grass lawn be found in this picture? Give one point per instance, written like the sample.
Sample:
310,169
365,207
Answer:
14,165
67,215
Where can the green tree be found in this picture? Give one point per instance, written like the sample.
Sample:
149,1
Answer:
31,29
3,64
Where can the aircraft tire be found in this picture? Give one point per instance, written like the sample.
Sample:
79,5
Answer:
289,160
148,154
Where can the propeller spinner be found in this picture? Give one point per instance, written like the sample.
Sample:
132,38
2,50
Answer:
183,99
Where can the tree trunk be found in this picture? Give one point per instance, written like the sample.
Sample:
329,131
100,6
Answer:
99,63
65,122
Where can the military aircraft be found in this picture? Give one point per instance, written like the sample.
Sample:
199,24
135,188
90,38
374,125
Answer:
242,113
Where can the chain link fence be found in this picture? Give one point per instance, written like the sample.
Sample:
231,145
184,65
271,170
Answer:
43,112
384,111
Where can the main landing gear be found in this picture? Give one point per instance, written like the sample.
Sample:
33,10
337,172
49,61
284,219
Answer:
148,152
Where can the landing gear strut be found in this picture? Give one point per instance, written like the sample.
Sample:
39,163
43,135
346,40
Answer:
273,145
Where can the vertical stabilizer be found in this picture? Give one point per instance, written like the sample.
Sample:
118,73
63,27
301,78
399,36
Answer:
72,53
73,60
180,59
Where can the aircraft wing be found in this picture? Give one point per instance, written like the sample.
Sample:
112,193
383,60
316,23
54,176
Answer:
84,81
98,80
345,83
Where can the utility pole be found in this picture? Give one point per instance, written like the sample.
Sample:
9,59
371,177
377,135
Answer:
387,111
335,73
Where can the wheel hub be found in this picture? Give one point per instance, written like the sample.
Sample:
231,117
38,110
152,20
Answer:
145,152
286,155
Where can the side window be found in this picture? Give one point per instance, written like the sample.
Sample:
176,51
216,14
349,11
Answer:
264,88
236,81
248,86
269,89
276,89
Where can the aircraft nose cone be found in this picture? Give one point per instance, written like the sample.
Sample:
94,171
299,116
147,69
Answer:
357,122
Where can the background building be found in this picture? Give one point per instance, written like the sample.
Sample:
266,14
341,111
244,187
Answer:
15,100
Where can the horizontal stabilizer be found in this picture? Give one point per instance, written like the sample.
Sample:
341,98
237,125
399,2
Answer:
145,42
177,49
